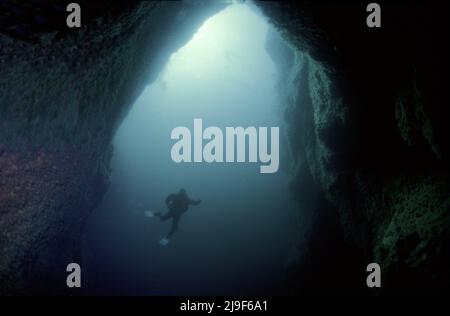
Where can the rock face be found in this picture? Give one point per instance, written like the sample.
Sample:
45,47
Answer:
63,94
365,116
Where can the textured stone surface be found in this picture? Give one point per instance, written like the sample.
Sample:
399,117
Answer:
369,144
63,93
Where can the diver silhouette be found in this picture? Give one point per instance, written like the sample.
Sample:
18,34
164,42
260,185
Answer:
177,204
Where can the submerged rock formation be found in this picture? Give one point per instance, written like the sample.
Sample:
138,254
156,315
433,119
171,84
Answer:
366,121
365,115
63,93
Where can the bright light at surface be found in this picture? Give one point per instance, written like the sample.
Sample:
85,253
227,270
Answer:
227,47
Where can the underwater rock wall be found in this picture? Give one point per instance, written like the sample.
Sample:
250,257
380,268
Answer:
364,112
63,94
44,198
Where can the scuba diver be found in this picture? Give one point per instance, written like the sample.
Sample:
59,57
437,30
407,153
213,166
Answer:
177,205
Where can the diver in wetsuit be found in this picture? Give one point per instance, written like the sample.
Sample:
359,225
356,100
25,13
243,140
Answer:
177,205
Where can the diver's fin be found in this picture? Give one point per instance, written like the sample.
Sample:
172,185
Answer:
149,213
164,241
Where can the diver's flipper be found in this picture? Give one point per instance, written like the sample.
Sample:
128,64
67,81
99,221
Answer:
149,213
164,241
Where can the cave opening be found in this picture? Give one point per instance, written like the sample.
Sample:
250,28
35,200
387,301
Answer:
238,240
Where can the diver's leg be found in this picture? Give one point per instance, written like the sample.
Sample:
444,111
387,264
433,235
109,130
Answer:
165,241
157,214
164,217
174,227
